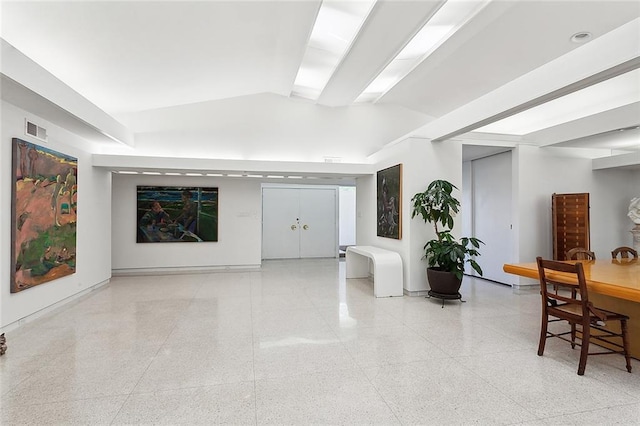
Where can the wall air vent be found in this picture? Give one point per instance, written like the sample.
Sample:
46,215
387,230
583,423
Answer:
332,159
32,129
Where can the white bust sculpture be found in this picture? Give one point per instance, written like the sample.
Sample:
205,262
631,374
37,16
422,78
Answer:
634,210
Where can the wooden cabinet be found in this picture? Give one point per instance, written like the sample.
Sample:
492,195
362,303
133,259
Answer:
570,223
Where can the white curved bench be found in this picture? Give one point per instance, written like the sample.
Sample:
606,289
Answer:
387,269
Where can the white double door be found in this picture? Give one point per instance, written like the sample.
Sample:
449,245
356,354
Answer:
299,222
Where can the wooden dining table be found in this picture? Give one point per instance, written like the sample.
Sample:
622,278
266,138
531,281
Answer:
612,284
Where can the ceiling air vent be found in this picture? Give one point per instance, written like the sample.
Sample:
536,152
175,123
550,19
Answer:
36,131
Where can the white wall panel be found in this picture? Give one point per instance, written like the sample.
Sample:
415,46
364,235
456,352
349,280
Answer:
239,228
539,172
93,227
347,215
423,161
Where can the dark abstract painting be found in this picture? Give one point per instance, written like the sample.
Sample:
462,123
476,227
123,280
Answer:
389,202
176,214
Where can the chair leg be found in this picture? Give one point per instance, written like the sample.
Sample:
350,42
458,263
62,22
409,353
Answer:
543,334
625,343
573,336
586,335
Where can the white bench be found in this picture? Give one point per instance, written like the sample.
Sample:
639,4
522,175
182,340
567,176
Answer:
387,269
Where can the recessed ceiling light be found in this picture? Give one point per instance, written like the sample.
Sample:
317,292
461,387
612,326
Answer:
193,174
127,172
233,175
173,174
215,174
151,173
275,177
581,37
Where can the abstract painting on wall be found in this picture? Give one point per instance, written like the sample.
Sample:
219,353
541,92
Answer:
176,214
389,204
43,215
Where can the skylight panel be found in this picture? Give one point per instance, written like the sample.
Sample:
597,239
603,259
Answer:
444,23
336,26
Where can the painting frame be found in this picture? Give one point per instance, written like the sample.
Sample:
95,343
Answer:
44,213
166,214
389,202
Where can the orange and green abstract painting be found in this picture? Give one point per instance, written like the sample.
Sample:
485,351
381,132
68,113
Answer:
43,215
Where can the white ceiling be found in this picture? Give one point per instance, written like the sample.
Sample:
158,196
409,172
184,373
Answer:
140,60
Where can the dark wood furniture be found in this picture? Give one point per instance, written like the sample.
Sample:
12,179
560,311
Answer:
624,252
570,214
580,253
613,284
579,312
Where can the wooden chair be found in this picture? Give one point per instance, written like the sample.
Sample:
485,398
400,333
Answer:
580,313
624,252
580,253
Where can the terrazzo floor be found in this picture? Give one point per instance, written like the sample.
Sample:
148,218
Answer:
296,344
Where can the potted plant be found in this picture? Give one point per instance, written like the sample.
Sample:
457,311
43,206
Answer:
445,255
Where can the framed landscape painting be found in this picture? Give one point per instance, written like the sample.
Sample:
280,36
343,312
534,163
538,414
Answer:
167,214
43,215
389,202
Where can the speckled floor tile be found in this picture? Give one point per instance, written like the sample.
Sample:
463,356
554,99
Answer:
296,343
94,411
232,404
345,398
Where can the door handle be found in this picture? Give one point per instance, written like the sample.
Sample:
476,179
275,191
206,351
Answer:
293,227
305,227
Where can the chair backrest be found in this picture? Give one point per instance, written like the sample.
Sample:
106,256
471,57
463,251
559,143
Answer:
572,279
580,253
624,252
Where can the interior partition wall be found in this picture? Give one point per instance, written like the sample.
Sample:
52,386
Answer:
93,232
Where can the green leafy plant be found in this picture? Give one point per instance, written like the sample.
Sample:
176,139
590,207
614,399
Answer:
438,206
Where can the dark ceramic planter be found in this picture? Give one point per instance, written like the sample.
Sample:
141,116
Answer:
443,282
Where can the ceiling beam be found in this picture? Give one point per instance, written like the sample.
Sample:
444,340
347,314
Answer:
204,165
586,127
378,42
608,56
54,100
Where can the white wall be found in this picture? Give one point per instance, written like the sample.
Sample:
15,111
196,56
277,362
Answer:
268,127
366,200
239,227
538,173
347,215
93,227
611,193
423,161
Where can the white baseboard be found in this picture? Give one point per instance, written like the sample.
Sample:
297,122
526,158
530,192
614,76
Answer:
183,270
416,293
31,317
